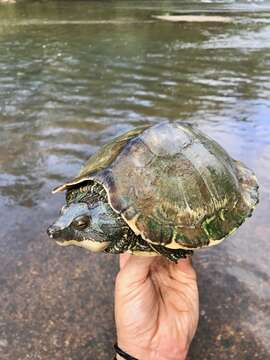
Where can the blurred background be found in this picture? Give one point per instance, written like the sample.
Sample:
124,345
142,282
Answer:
75,74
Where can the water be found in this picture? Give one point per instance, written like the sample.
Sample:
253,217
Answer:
72,76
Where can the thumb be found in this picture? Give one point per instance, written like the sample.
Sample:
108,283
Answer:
134,269
185,268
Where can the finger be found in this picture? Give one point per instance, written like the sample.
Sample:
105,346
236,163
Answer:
185,266
123,259
136,269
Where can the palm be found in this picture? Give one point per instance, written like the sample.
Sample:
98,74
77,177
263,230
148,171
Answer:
156,307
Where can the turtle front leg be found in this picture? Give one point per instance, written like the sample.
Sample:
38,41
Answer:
141,246
122,244
171,254
136,245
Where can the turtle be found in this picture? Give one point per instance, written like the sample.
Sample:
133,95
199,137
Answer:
163,189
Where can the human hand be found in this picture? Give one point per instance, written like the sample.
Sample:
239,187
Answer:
156,307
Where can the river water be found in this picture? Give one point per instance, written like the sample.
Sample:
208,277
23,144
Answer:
72,76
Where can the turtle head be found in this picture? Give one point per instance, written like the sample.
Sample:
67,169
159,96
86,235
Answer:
91,227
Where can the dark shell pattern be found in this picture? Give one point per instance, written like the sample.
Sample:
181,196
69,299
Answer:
173,185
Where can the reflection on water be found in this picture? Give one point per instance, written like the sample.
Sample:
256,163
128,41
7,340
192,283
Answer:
73,76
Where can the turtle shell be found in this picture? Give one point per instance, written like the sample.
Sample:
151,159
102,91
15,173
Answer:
173,185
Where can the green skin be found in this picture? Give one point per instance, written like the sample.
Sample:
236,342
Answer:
96,227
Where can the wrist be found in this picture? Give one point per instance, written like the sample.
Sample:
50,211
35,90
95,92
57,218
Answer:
131,350
121,354
141,353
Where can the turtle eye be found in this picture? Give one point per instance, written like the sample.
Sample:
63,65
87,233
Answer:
81,222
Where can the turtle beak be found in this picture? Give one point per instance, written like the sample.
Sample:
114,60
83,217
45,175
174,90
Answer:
54,231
